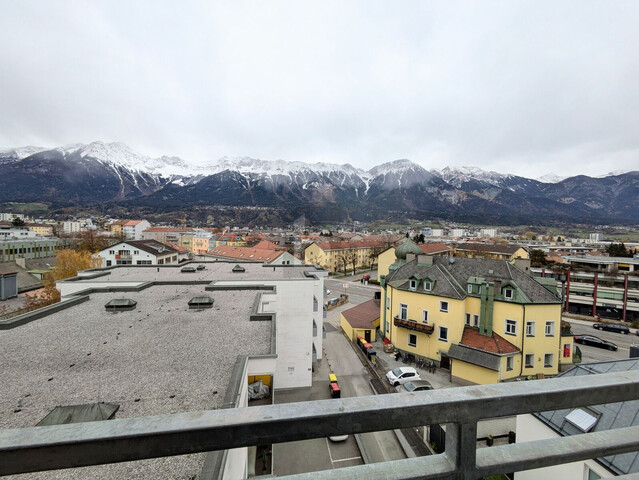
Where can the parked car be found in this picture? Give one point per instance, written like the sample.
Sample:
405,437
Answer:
595,342
612,327
401,375
414,386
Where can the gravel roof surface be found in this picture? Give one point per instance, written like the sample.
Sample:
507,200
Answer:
138,359
213,271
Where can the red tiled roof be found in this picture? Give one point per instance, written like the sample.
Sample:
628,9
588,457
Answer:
495,344
363,315
266,245
168,229
435,247
245,253
348,245
178,248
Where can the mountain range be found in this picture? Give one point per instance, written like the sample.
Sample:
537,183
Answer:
112,174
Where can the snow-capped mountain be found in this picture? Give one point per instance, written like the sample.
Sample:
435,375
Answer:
550,178
101,172
19,153
120,154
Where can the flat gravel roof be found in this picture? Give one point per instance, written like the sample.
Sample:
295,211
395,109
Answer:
213,271
159,358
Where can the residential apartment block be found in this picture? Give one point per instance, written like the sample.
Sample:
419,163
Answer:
486,320
138,252
343,256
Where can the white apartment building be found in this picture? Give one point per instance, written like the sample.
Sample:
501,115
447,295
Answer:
139,252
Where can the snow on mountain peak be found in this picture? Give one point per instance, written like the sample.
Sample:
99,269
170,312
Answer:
20,152
550,178
120,154
396,166
274,167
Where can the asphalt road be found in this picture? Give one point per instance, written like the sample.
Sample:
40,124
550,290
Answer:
595,354
356,292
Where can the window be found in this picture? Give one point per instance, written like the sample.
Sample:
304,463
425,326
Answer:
508,293
111,252
530,360
428,286
443,307
468,319
510,361
387,303
424,316
403,311
511,327
550,329
475,320
412,340
108,263
413,284
530,329
548,360
443,334
470,288
136,252
566,350
591,475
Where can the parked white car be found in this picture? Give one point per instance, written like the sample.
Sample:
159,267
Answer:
402,375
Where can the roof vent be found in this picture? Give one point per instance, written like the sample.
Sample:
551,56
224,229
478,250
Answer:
120,304
238,269
198,303
451,260
200,267
188,269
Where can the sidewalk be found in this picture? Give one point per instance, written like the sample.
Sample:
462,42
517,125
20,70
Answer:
386,361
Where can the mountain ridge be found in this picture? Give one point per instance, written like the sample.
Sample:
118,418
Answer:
81,174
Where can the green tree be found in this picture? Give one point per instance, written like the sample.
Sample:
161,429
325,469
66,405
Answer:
618,250
419,238
17,222
538,258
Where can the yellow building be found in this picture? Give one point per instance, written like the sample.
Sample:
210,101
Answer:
186,241
200,243
342,256
41,229
361,321
485,320
490,251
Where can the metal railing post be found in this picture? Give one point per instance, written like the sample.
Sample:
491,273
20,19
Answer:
461,448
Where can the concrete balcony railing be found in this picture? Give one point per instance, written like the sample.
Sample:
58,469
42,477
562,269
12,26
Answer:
426,328
92,443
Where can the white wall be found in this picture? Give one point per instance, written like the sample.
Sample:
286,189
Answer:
293,305
530,429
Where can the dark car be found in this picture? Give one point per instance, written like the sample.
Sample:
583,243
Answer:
595,342
414,386
612,327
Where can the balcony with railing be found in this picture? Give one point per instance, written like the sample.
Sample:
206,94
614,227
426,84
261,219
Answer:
408,324
93,443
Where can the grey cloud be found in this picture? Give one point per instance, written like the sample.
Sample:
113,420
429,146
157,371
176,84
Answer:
520,87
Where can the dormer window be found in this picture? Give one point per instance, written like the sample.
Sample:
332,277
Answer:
413,285
508,293
470,288
428,285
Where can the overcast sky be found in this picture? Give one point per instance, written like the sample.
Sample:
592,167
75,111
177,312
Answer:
518,87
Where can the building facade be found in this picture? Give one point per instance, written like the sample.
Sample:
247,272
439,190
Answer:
139,252
486,320
343,256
